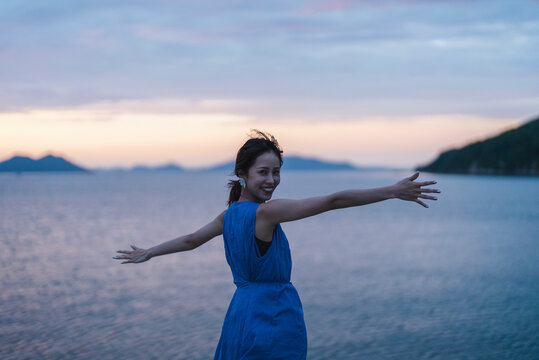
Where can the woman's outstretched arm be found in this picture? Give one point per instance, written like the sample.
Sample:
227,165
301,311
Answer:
182,243
281,210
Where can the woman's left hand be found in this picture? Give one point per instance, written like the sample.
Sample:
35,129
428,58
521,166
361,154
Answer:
408,189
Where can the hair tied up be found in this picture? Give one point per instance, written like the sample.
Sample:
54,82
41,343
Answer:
235,191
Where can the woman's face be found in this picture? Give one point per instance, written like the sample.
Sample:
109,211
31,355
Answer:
263,178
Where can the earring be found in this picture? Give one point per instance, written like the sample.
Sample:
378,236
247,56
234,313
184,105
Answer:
242,183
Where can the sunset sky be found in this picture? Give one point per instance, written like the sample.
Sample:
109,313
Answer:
117,83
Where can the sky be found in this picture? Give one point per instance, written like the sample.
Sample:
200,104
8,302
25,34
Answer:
110,83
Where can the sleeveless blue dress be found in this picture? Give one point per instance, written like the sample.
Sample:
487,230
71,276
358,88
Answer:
265,317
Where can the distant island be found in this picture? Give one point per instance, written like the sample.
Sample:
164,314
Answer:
22,164
167,167
300,163
513,152
294,163
47,163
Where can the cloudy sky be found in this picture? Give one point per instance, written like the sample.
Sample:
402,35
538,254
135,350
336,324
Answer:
387,82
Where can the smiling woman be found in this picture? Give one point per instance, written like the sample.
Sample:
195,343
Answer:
265,317
259,160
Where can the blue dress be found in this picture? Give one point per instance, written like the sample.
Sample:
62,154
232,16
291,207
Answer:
265,317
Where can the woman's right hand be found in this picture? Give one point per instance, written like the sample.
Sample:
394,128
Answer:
137,255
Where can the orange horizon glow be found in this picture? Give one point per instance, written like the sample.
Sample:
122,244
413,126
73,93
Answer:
94,137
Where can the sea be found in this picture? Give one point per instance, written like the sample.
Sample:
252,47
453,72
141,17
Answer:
391,280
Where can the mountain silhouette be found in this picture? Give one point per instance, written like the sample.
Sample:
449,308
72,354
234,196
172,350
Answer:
168,167
45,164
295,163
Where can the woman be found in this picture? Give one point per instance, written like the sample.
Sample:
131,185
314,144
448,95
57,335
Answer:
265,317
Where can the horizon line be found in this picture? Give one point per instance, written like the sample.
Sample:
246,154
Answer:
120,167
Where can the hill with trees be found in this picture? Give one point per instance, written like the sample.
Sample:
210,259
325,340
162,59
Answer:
513,152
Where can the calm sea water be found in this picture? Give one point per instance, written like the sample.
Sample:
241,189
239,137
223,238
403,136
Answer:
386,281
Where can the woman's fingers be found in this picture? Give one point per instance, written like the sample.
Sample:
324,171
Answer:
128,259
427,197
135,261
421,203
129,255
425,183
431,191
413,177
124,251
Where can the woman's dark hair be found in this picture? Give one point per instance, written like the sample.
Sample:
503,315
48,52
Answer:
258,144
